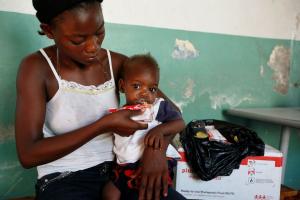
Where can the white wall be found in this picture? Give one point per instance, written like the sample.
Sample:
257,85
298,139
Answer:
259,18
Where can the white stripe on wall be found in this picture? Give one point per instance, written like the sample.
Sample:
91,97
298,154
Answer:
259,18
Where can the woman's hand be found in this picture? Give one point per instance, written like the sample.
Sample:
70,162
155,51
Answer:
120,122
153,174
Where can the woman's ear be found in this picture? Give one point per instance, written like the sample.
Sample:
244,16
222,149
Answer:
121,85
47,30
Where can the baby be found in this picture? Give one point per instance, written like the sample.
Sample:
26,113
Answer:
139,82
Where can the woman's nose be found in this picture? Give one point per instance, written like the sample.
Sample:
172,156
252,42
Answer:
92,45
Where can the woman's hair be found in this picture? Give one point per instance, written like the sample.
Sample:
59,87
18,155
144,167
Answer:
140,59
46,10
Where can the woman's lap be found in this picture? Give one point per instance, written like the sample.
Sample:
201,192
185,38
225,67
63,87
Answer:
132,193
82,185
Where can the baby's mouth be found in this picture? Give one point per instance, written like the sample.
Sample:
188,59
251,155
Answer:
141,101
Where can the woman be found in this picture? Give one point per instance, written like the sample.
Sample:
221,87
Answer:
63,93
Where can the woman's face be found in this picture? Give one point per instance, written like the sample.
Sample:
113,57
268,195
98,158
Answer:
79,33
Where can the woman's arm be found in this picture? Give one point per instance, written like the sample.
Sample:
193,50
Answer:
33,149
154,172
153,167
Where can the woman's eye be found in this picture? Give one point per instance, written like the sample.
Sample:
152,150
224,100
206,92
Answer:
153,90
77,42
100,33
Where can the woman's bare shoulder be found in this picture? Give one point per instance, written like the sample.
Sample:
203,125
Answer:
33,66
118,60
33,61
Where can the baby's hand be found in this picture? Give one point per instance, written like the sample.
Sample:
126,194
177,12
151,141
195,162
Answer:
154,139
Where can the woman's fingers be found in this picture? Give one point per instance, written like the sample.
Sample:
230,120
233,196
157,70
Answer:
165,184
150,188
142,188
157,190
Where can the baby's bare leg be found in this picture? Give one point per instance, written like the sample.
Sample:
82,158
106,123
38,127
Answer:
111,192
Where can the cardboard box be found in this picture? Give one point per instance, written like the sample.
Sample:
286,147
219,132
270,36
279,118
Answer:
258,178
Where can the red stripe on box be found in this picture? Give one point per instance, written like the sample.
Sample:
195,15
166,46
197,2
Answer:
278,160
183,156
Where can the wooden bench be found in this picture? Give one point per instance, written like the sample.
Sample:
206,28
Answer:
287,193
24,198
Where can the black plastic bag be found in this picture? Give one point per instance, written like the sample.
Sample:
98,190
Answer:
209,158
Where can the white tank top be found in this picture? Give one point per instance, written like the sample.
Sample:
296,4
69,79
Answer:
75,106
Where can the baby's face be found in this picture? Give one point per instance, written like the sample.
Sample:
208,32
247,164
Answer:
140,85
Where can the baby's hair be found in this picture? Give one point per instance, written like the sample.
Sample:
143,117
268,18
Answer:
139,59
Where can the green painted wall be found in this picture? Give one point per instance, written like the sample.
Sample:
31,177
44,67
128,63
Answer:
16,41
226,70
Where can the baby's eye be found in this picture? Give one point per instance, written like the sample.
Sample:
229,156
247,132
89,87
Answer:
153,90
136,86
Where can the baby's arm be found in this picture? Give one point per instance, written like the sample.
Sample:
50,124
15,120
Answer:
172,123
156,136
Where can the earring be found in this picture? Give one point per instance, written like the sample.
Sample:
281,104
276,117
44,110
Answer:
121,89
